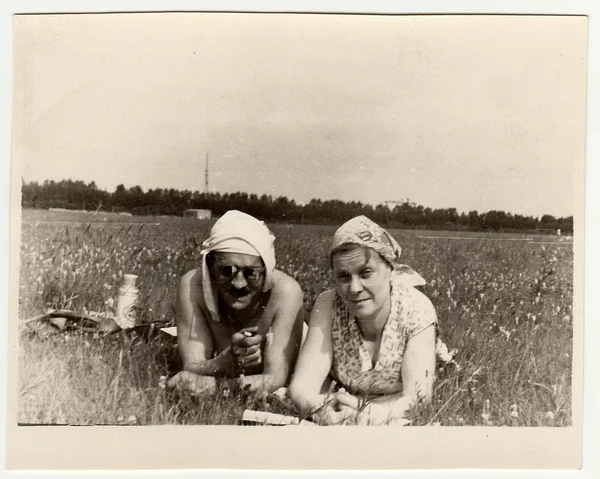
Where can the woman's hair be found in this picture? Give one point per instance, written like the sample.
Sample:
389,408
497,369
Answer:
349,247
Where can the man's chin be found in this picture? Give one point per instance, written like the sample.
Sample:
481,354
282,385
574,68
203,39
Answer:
239,303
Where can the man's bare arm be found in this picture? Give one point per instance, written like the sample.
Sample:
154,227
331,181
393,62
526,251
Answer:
282,348
193,335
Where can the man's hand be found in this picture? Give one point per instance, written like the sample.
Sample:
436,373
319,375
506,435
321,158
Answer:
245,348
193,383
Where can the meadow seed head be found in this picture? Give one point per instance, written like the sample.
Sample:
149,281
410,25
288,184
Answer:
486,413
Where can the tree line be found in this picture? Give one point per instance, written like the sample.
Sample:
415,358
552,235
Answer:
78,195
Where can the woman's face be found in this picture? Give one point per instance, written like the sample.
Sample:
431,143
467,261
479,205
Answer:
238,278
362,281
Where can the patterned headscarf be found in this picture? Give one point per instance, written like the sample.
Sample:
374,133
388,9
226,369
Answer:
362,231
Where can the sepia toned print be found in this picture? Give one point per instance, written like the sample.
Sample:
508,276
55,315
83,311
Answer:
185,182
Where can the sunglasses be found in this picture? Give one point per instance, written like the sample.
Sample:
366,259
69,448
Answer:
229,272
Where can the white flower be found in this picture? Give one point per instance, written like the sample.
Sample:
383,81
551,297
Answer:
162,382
486,414
446,356
514,411
550,415
281,393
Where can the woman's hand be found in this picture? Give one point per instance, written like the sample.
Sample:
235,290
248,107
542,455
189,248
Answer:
330,417
338,408
192,383
334,414
245,348
345,399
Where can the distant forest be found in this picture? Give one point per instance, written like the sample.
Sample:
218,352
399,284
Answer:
78,195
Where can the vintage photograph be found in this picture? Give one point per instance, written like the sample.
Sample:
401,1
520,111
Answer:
281,219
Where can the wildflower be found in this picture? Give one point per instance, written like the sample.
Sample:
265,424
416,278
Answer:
505,332
550,415
436,423
226,393
486,414
281,393
162,382
132,419
120,418
514,411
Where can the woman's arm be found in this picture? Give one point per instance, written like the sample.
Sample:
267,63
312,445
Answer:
193,335
281,351
418,371
316,358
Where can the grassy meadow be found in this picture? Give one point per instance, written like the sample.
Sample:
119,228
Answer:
504,301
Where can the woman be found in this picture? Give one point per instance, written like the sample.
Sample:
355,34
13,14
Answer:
374,333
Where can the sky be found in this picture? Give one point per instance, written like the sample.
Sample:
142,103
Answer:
471,112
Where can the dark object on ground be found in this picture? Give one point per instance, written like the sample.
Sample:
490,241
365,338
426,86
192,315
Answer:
108,325
53,322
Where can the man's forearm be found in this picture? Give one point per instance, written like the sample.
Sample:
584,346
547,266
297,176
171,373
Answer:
222,365
257,382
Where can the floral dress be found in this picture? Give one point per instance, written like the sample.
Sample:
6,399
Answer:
411,312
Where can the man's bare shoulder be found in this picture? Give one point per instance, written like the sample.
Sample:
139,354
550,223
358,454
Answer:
191,284
284,286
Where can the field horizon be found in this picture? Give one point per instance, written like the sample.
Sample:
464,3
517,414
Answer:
504,302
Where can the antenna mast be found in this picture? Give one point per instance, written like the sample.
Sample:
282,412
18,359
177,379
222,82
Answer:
206,175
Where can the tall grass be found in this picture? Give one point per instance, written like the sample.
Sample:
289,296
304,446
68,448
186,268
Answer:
506,306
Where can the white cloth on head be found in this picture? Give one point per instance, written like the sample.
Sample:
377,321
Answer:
237,232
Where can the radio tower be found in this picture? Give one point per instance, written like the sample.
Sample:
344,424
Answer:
206,175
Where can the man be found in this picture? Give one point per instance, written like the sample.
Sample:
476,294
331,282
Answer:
237,316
